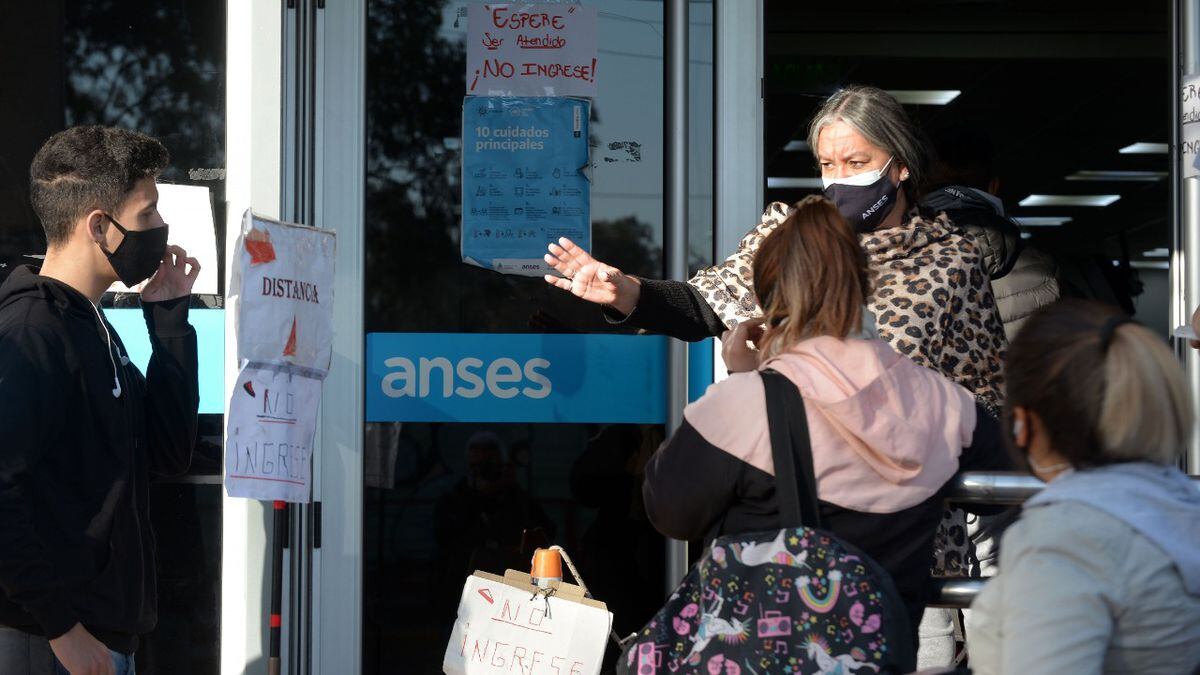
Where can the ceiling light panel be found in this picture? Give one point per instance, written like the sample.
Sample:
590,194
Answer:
925,96
1148,265
1145,149
1069,200
1119,176
1043,221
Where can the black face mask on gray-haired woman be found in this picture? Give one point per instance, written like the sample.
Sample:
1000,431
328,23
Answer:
864,199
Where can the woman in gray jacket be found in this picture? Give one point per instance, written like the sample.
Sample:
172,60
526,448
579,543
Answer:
1102,572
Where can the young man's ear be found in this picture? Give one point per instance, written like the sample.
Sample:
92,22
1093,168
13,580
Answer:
96,222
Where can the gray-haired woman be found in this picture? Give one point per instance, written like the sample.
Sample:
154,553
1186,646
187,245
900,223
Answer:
931,297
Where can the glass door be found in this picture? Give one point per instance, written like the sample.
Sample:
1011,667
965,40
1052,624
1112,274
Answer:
443,499
412,503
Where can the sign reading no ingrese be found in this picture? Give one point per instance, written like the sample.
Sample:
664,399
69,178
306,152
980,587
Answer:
526,49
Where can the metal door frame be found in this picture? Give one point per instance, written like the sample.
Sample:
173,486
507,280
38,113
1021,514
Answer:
253,99
1185,207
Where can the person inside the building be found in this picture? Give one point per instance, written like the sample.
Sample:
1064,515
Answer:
1102,571
480,522
967,188
887,435
1024,278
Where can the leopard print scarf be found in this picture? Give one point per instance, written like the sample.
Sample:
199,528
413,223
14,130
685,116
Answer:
930,296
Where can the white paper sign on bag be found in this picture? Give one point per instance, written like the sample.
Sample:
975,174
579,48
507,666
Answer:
270,429
501,629
188,210
282,290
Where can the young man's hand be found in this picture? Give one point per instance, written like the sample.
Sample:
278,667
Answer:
82,654
173,278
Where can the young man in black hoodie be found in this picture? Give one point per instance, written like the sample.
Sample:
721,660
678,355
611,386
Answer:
83,429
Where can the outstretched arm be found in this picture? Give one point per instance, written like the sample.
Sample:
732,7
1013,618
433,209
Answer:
728,287
666,307
715,299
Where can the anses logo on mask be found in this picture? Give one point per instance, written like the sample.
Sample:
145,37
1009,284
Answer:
503,378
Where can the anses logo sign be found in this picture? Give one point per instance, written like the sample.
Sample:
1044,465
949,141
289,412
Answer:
503,378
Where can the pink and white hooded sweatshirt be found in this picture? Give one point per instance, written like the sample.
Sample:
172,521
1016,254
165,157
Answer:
887,436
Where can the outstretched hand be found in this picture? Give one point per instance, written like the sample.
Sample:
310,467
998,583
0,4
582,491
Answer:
588,278
173,278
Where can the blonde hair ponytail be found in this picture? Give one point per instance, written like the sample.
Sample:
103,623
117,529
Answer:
1107,389
1145,413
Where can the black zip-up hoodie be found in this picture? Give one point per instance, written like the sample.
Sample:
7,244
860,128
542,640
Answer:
81,431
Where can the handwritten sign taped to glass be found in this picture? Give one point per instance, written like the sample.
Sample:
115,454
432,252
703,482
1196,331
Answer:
1189,102
282,292
270,430
526,49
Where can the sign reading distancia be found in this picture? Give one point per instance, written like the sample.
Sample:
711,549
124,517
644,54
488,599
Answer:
282,285
281,294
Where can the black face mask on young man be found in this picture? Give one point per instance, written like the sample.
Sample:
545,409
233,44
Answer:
138,255
865,199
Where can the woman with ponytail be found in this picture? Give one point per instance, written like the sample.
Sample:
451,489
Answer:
887,435
1101,574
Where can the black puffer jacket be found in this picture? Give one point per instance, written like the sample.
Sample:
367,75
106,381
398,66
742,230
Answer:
1023,278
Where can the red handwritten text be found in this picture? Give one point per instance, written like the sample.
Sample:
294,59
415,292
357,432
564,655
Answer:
503,17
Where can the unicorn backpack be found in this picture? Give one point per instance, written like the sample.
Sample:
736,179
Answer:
797,600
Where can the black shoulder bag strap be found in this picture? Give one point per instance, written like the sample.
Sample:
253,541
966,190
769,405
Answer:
791,449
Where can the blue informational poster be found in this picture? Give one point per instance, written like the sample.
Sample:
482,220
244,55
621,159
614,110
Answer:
528,377
524,184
